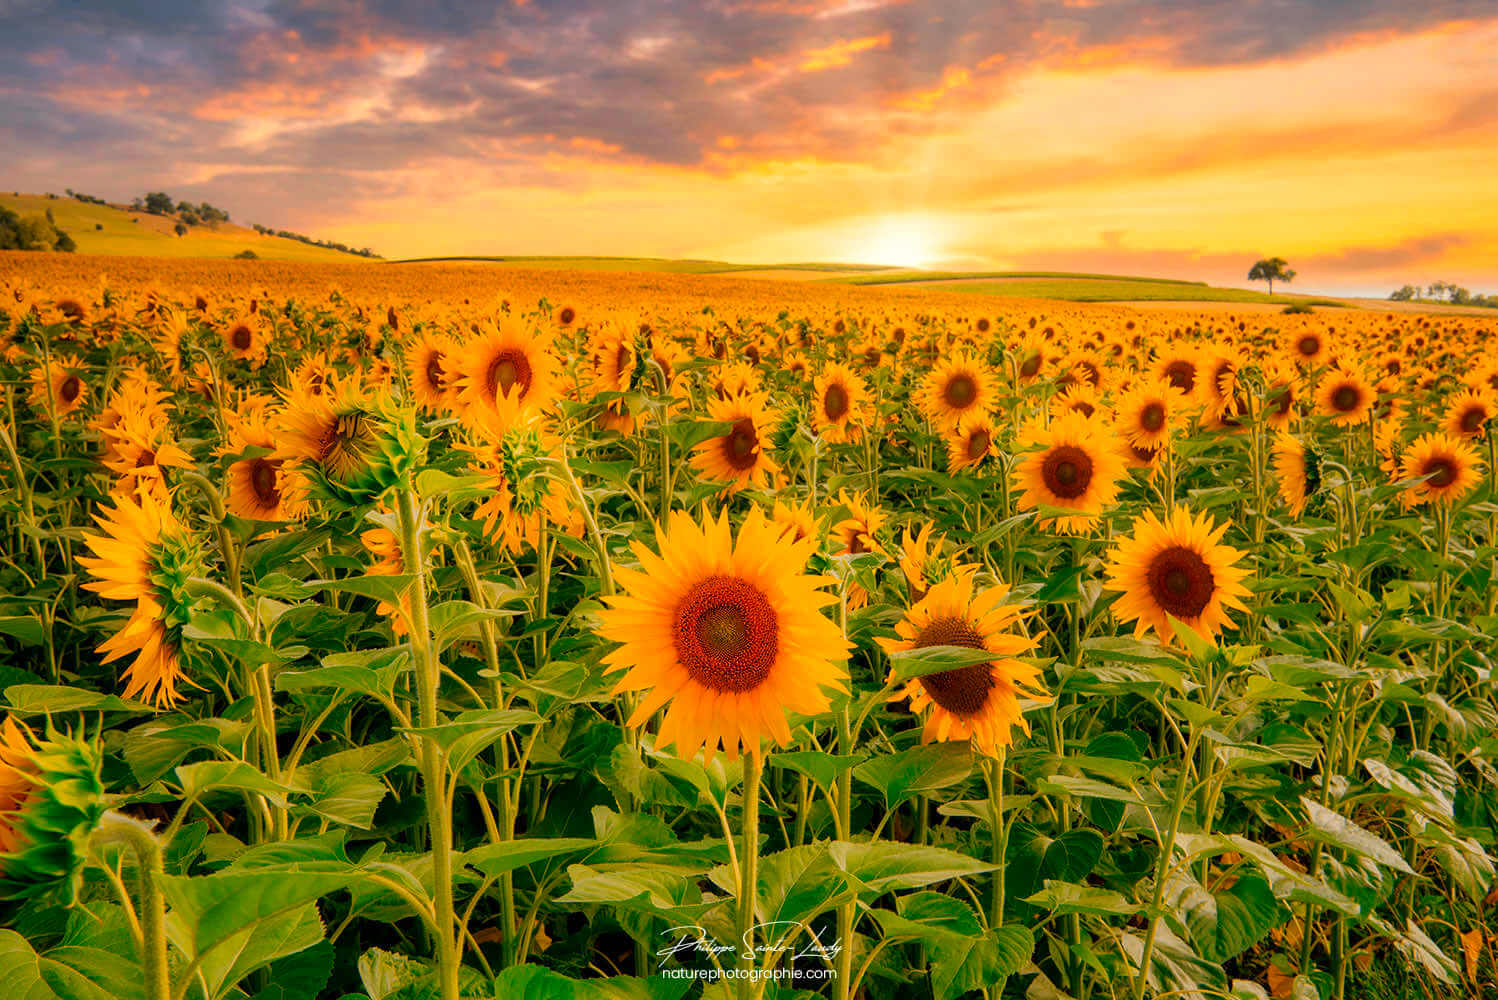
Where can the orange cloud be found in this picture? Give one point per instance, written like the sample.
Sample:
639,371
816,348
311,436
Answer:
840,53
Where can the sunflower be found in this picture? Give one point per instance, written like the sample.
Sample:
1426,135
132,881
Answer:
505,360
1176,568
1307,348
345,444
1031,357
613,362
841,396
144,555
51,801
58,387
1447,467
261,485
385,546
1146,414
431,366
1071,468
1469,414
969,442
797,520
958,387
740,457
1079,397
979,703
17,780
1279,409
522,495
141,450
243,341
858,532
1298,469
924,561
726,633
1345,397
1178,367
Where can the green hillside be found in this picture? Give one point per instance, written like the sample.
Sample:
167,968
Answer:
112,229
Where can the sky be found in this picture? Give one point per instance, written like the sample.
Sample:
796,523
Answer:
1356,138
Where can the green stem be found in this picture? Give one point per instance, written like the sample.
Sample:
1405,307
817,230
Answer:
993,773
115,828
749,870
433,764
1167,853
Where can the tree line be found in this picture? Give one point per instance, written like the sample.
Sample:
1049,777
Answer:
1443,291
34,232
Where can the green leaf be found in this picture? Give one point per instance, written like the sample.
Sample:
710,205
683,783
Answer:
917,771
496,859
304,974
798,884
649,889
42,699
385,589
1224,924
1336,830
881,867
199,779
1086,788
1034,857
256,946
349,798
1067,897
1174,967
909,664
822,768
210,910
963,956
29,976
27,628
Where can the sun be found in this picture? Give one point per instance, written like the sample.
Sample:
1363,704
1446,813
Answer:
900,241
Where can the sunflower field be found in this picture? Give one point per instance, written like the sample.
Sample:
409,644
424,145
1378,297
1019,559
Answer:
405,632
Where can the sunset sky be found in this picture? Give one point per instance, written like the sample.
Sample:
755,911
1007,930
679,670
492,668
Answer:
1357,138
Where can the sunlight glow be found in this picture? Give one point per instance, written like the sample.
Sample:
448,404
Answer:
898,241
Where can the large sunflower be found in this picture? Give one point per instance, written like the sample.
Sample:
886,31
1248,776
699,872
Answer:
1146,414
1073,467
1176,568
506,359
958,387
144,555
740,457
840,399
1469,414
1446,466
969,442
726,634
981,702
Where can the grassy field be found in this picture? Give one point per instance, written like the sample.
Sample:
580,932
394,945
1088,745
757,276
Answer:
1122,290
660,264
906,276
105,229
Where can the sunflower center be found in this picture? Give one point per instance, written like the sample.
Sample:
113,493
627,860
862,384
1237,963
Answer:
1067,471
1472,419
263,480
1144,454
835,403
1346,398
960,392
726,634
436,376
567,315
1441,471
977,445
1152,417
963,691
241,338
1308,345
621,358
145,459
70,389
741,445
346,444
509,369
1182,375
1181,582
1281,402
1031,367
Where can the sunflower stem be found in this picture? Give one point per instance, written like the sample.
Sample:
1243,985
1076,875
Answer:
118,829
433,764
993,774
749,871
219,514
1167,854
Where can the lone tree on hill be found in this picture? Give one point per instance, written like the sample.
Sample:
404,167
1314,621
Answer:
1271,270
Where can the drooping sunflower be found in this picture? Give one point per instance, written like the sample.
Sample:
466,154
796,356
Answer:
58,385
1072,466
431,366
1447,467
145,555
727,634
740,457
1469,414
1298,470
1176,568
979,703
958,387
797,520
506,359
1146,414
347,445
841,396
524,497
51,801
141,449
1345,397
969,442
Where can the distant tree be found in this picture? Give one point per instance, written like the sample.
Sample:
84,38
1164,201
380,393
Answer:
180,229
190,217
1405,293
247,255
159,203
1460,296
1272,269
98,227
65,243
